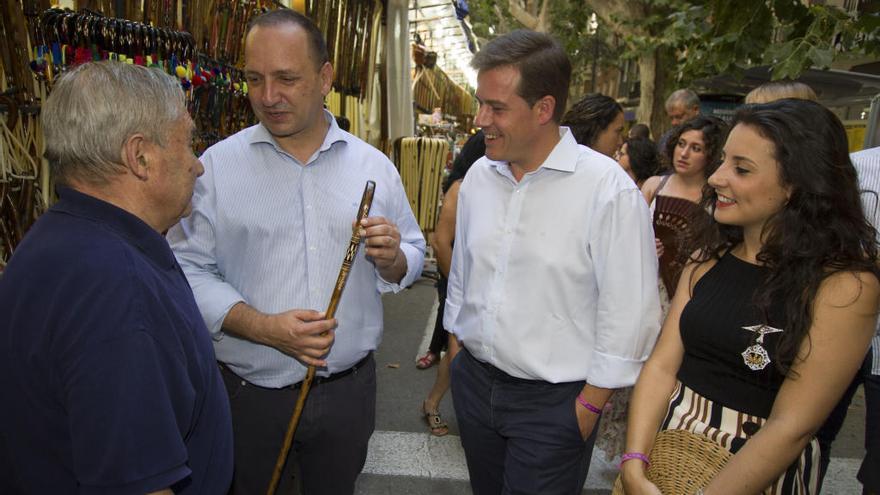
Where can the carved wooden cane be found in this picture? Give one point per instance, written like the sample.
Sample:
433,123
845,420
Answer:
363,211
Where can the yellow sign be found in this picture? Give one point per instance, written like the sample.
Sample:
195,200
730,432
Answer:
855,133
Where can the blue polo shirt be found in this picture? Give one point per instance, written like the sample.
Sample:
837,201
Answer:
108,382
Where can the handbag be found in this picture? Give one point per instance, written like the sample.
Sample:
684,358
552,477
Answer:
682,462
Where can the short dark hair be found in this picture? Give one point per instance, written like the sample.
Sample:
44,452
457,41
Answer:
643,158
640,131
282,16
544,67
590,116
714,135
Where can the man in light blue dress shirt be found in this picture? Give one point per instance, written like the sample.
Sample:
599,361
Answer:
271,222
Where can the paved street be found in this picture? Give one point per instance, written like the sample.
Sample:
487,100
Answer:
405,459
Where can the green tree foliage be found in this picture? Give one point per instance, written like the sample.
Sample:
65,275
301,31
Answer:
590,47
723,37
678,41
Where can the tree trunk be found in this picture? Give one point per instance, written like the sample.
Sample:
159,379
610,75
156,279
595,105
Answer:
654,75
653,88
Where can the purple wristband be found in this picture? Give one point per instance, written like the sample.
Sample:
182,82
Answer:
634,455
588,406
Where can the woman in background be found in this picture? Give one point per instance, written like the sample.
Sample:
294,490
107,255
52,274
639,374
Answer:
596,121
441,242
638,157
693,152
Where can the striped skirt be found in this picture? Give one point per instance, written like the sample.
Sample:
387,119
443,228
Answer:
731,429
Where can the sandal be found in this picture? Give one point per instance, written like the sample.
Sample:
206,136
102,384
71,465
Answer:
426,361
435,424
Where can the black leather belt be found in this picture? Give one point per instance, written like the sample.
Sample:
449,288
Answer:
339,374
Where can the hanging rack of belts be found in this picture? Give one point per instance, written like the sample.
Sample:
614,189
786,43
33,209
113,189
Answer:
22,170
353,32
432,88
215,90
421,162
199,41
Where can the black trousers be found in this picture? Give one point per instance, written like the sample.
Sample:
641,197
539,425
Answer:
330,446
519,436
869,473
440,337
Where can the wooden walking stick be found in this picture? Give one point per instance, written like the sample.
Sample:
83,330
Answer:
363,211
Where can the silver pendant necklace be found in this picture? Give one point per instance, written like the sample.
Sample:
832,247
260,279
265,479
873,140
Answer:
756,356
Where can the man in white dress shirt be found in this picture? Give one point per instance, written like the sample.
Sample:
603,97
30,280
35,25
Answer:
553,285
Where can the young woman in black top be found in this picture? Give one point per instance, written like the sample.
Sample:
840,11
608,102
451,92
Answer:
773,315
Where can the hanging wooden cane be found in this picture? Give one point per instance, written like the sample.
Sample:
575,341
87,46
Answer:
363,211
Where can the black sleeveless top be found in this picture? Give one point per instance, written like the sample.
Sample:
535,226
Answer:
729,351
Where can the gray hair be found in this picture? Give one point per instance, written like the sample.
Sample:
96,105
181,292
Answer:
684,97
94,108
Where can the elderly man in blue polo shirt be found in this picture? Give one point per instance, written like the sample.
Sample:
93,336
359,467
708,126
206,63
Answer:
107,375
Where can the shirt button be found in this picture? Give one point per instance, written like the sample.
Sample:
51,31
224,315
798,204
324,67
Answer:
308,207
311,248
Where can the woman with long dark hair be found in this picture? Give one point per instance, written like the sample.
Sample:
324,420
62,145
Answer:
774,312
693,152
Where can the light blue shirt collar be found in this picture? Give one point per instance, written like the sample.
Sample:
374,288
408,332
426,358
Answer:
334,135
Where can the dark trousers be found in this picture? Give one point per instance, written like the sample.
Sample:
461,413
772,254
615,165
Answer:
519,436
330,446
832,425
440,337
869,473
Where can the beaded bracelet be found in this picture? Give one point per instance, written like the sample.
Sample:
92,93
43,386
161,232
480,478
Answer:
588,406
634,455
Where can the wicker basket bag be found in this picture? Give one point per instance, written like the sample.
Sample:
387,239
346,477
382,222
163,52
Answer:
682,462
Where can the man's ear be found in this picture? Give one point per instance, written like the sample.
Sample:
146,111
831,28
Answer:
135,155
545,107
326,78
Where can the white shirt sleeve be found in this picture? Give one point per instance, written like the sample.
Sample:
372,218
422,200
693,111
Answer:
628,313
454,293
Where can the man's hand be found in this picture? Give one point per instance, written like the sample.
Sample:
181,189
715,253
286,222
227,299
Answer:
587,419
658,244
301,333
382,246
